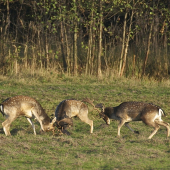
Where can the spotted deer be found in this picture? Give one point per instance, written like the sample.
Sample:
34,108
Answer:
25,106
71,108
127,112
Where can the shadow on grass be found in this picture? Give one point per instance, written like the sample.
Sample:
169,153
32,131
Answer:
1,131
107,167
15,131
168,151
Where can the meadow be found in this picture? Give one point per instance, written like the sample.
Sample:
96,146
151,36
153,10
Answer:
102,150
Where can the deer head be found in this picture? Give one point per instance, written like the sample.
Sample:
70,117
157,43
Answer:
71,108
49,126
101,113
101,106
64,122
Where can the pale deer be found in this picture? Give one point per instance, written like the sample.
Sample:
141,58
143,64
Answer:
71,108
126,112
25,106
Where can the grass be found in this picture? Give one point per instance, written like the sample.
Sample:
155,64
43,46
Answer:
102,150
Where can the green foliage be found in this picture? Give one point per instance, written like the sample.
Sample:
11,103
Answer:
39,24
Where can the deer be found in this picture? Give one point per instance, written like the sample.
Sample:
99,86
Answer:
126,112
67,109
16,106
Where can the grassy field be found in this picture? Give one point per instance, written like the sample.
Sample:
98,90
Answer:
102,150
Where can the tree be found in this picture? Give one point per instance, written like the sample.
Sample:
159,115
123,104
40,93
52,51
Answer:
99,72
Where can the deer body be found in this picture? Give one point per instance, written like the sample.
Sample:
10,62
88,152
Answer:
136,111
71,108
24,106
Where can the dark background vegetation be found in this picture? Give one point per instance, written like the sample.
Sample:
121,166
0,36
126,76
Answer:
74,37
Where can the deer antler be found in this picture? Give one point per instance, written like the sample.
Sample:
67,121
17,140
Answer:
100,105
90,102
65,121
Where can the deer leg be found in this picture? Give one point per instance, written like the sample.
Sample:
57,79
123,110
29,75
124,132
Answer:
156,128
152,122
165,125
85,119
53,132
32,124
91,130
154,132
106,119
6,126
122,122
126,124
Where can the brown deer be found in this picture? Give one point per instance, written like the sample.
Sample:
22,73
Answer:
71,108
126,112
25,106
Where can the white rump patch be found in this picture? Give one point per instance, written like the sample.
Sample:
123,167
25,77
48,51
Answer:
2,109
129,119
158,116
161,112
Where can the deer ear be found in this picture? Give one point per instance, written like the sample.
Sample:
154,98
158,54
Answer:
53,121
99,105
64,121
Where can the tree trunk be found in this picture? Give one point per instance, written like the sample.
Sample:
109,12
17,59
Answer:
33,61
67,52
26,56
126,46
16,59
40,47
89,51
123,44
75,41
62,46
75,50
4,39
46,51
147,51
7,18
99,72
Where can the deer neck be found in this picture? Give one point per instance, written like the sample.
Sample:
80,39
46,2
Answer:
109,111
42,117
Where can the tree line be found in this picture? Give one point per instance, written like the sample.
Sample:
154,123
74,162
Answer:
122,37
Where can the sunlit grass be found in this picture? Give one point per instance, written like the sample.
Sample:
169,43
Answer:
82,150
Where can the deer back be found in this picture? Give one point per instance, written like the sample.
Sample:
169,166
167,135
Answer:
23,106
132,110
69,108
18,105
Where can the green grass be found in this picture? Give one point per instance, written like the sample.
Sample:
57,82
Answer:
102,150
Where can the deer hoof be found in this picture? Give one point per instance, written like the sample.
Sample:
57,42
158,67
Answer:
66,132
137,132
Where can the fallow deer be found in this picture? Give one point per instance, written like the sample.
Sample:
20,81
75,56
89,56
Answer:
71,108
25,106
126,112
